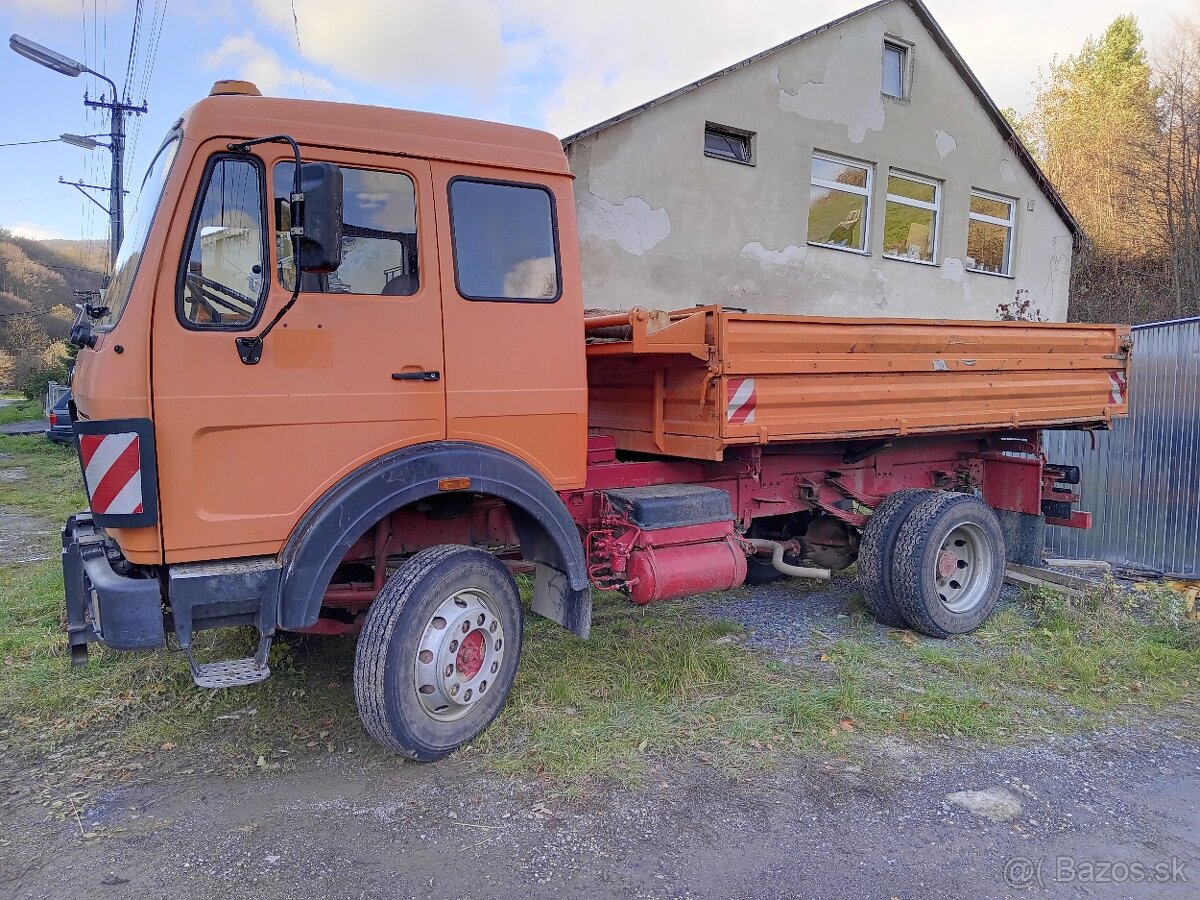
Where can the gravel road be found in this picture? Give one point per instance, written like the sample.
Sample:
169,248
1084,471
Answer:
359,824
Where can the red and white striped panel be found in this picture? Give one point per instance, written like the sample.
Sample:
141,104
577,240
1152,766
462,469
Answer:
743,398
112,468
1117,380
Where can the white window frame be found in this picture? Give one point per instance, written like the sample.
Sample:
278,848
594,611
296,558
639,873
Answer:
814,181
935,207
905,50
1010,223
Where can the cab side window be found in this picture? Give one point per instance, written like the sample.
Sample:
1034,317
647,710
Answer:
379,234
505,245
221,285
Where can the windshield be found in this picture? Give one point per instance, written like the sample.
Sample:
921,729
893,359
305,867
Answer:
138,229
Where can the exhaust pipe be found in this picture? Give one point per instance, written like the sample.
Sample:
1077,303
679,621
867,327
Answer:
777,550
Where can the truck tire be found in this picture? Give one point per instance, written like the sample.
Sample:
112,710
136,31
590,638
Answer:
438,651
948,565
875,554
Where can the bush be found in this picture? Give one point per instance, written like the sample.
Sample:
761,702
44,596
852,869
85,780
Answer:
35,383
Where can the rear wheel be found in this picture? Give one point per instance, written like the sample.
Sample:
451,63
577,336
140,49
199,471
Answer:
948,565
438,651
875,554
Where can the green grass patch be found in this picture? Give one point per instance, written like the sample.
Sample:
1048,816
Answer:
21,411
652,686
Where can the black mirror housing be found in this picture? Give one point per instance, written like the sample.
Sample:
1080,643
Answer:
321,243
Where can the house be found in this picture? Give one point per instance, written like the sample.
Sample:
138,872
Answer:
859,169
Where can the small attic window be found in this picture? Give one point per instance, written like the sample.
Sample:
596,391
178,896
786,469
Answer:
895,69
732,144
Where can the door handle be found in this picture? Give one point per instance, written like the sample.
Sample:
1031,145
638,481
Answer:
416,376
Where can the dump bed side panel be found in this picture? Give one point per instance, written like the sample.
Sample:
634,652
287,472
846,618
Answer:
813,379
712,378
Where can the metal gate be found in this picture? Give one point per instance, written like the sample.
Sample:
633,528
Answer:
1142,480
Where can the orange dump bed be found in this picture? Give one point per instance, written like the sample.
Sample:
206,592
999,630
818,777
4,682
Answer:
693,382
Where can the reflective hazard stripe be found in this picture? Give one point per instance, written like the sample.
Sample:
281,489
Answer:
112,468
1117,380
742,399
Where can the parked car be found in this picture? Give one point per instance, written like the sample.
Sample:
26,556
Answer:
62,426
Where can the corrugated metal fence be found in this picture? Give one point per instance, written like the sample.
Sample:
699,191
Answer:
1142,482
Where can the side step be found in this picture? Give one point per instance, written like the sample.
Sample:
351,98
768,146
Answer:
222,594
228,673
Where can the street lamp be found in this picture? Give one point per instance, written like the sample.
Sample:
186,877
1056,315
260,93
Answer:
117,111
86,141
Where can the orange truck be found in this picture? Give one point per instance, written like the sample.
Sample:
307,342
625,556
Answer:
342,382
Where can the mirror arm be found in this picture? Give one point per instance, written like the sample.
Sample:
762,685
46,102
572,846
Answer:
250,348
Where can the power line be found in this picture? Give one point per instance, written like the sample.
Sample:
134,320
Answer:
44,141
52,265
27,143
157,17
133,47
299,52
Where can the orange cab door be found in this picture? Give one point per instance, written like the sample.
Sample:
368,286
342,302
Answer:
513,314
353,371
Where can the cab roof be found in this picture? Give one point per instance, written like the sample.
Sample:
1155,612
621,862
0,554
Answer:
378,129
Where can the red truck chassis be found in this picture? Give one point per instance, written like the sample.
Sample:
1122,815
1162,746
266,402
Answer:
817,496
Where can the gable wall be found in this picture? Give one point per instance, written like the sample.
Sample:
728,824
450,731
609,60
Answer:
663,226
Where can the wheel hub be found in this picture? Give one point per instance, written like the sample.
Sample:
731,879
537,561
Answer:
963,566
947,564
459,654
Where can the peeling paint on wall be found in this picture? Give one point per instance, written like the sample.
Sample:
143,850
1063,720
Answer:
633,223
849,94
953,269
790,256
1007,172
945,143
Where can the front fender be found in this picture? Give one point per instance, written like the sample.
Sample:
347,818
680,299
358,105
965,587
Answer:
548,535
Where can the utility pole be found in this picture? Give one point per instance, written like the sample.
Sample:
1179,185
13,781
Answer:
117,111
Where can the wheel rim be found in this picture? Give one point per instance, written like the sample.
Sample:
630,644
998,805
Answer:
459,655
963,568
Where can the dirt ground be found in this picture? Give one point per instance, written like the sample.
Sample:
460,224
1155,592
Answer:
357,825
1111,814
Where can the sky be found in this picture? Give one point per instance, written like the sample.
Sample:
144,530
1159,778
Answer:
542,63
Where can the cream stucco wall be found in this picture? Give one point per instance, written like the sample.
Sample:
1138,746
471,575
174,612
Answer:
664,226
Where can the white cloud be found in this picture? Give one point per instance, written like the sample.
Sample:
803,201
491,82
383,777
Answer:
33,231
599,58
244,57
417,44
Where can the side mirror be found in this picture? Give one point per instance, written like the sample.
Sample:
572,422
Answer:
321,244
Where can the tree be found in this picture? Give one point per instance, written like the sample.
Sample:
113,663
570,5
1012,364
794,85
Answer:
1096,131
1093,118
1175,184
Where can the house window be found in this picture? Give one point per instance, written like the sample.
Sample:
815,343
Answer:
895,69
839,207
910,219
729,143
379,234
990,233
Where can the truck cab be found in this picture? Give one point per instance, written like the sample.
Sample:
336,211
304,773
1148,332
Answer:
194,455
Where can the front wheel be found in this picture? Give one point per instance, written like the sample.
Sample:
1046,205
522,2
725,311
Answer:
438,651
948,565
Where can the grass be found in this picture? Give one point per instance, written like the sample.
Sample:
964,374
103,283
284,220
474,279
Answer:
651,687
21,411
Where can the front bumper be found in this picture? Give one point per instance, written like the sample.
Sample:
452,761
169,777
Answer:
119,611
